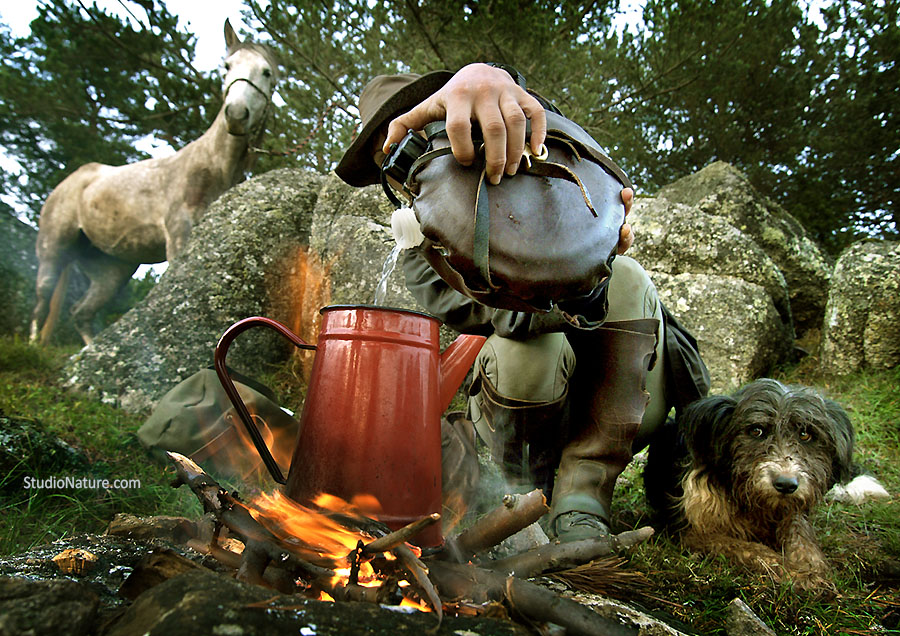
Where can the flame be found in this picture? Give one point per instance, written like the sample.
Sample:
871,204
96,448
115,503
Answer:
300,288
319,533
315,534
419,605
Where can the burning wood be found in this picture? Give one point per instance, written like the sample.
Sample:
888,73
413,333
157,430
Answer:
348,556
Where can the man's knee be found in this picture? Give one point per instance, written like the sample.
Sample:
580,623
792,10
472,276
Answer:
632,295
537,369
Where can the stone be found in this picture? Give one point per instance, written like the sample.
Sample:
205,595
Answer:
241,261
202,602
861,330
721,190
33,608
741,621
738,329
720,284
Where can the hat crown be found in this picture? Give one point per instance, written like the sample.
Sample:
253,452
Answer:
379,90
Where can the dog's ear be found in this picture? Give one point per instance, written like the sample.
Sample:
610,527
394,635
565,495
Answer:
842,468
703,424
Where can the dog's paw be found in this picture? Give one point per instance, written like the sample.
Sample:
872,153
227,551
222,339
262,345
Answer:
814,584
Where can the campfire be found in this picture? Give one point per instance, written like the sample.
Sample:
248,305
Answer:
331,550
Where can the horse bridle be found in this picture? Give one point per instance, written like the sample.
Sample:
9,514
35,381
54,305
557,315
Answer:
265,113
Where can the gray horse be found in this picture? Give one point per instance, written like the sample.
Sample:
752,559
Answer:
110,219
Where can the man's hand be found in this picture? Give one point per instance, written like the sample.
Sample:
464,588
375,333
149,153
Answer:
488,95
626,234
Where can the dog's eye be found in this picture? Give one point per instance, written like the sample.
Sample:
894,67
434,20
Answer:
756,431
805,436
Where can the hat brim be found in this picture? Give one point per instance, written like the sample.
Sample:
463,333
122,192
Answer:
356,166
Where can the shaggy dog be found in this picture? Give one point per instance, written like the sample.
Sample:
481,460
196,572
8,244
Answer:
741,475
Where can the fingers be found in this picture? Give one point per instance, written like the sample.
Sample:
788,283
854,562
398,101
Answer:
535,112
626,234
626,238
628,199
500,106
514,122
432,109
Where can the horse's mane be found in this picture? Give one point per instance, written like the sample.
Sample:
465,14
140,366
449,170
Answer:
261,49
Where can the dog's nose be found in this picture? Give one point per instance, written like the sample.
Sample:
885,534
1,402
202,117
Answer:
785,484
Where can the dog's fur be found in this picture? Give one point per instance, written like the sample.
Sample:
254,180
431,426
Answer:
740,475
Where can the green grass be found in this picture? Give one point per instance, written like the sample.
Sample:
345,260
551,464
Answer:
862,543
105,435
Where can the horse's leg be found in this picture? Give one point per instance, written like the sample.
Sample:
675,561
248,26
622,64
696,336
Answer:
48,277
107,275
178,231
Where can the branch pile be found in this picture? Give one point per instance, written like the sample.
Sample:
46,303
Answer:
445,577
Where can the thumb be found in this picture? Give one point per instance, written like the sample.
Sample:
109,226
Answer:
425,113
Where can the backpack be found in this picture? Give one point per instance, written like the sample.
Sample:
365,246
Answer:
196,418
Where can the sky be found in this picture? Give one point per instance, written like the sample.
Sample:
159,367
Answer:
203,18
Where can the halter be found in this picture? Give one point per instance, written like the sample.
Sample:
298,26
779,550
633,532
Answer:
265,113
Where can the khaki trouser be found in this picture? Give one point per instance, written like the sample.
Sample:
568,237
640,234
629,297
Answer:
537,372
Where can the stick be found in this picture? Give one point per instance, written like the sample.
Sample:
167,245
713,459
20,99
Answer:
516,512
261,546
412,563
527,599
561,556
401,536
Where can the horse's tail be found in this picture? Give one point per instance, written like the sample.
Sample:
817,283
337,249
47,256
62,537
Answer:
56,303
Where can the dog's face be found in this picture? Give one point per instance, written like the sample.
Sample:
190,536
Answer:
773,447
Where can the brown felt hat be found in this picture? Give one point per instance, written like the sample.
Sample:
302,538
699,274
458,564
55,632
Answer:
382,100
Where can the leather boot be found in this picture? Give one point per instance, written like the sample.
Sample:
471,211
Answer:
608,401
524,437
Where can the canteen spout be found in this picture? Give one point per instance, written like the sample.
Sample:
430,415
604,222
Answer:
456,360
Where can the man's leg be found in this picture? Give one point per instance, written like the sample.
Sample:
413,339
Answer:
518,405
617,400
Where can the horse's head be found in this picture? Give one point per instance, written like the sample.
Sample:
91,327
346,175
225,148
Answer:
250,75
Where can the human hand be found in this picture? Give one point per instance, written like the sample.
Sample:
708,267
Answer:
626,234
488,95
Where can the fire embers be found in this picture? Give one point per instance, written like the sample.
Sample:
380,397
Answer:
337,537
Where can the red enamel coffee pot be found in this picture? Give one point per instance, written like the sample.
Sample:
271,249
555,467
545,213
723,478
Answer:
371,422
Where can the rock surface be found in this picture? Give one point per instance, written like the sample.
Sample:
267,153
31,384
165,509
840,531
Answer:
241,261
720,283
45,607
861,327
721,190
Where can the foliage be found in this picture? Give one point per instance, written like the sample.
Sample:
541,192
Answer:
85,86
804,105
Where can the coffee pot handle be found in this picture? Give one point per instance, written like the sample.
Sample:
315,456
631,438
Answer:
222,371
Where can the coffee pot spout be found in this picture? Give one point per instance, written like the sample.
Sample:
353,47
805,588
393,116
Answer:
456,360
